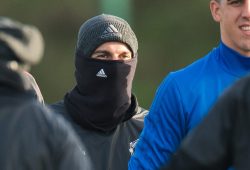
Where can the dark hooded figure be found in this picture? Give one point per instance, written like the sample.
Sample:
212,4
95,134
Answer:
32,138
101,107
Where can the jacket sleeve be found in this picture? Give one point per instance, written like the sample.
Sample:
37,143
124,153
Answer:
164,128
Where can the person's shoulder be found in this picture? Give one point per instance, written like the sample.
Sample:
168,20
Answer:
40,113
134,125
23,109
195,67
186,78
34,114
58,108
31,107
140,114
194,71
57,105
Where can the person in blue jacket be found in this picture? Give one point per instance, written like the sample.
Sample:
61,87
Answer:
222,138
185,96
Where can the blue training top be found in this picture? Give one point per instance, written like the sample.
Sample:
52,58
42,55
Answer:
181,102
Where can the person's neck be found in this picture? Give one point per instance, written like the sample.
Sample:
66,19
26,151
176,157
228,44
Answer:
243,53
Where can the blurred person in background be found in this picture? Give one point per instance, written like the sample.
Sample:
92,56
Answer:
101,107
222,139
31,136
185,96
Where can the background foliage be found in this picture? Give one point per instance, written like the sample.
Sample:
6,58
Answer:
171,35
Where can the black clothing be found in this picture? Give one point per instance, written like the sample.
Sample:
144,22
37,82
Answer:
222,139
108,150
102,95
101,107
32,138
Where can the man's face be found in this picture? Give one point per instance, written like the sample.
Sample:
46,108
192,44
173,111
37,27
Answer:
234,19
112,51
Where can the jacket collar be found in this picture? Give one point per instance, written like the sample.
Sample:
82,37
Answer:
233,62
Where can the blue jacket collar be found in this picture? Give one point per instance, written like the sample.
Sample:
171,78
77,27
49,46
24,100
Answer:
234,62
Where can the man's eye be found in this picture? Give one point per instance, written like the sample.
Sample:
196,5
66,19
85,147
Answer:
126,57
235,2
102,56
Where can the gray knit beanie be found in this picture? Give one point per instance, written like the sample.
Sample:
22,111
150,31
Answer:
104,28
25,42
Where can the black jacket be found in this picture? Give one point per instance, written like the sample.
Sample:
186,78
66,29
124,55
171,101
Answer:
223,138
108,151
32,138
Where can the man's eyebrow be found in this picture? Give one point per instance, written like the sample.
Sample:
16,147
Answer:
101,51
234,1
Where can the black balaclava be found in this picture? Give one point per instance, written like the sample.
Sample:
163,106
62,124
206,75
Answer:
102,97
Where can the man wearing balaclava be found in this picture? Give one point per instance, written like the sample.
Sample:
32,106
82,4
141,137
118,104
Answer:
101,107
31,136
